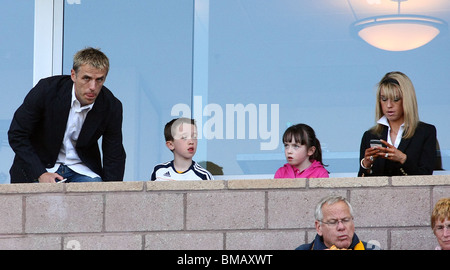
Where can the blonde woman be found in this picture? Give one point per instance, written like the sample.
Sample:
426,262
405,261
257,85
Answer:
406,146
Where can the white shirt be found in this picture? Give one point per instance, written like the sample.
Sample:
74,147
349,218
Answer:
68,154
383,121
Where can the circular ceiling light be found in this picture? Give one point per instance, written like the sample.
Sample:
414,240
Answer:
399,32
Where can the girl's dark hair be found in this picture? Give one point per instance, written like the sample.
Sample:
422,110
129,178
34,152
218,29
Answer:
305,135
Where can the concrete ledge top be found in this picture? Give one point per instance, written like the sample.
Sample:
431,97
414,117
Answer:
349,182
232,184
419,180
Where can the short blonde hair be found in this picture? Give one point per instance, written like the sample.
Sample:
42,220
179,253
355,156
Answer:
441,211
397,84
90,56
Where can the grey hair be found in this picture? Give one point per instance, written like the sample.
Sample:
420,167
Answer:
331,199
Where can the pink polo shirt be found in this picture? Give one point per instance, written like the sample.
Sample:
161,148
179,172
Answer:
316,170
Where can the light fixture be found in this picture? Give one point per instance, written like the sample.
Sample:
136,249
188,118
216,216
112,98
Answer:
398,32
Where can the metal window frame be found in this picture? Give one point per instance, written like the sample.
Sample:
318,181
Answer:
48,38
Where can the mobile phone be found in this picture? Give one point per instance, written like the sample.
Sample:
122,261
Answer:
376,142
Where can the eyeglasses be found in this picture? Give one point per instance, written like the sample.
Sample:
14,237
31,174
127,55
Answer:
335,222
440,228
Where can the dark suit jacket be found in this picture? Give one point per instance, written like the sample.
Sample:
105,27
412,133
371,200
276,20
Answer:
420,151
318,244
37,131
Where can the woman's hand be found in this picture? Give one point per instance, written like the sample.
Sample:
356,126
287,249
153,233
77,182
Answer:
390,153
370,155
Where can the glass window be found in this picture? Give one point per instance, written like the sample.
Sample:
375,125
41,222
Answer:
252,69
16,69
302,57
149,45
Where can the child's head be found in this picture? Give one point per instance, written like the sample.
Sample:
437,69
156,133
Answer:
181,137
303,135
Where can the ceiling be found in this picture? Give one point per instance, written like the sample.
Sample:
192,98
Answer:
318,19
367,8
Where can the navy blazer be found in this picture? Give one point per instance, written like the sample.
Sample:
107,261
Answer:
420,150
38,126
318,244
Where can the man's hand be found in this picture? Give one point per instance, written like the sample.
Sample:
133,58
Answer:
49,177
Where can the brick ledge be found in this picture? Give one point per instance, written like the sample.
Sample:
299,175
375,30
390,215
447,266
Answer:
231,184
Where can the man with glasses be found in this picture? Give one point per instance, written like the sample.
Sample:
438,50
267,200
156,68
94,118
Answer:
335,227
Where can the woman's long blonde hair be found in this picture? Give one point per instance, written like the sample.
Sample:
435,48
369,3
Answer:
397,84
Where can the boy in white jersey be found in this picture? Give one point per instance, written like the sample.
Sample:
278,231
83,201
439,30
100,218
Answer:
181,139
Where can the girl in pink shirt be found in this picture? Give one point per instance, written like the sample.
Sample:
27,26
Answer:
303,154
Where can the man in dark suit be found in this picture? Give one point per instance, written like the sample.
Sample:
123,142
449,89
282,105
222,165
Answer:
55,132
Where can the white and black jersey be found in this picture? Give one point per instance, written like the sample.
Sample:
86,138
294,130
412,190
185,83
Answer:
166,172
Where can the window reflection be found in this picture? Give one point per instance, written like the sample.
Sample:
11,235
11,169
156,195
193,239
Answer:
16,69
297,56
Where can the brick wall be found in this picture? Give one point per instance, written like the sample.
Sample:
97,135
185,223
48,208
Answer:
219,214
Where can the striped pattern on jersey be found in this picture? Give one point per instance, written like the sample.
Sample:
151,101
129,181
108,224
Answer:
166,172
